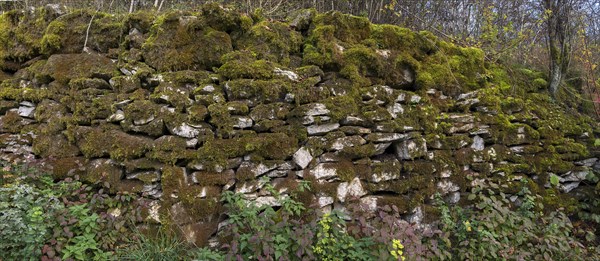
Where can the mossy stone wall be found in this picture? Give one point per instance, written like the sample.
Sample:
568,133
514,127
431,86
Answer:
182,106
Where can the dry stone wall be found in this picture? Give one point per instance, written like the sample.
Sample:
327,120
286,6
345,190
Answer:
185,106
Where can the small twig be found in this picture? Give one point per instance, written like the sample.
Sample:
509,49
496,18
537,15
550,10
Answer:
87,32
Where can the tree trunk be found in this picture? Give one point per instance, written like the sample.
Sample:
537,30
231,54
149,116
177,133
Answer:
559,34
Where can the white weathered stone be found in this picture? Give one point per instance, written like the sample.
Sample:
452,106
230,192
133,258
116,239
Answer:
445,173
277,173
249,186
483,130
385,137
453,197
289,74
411,149
383,53
415,98
323,171
461,118
191,143
395,109
324,201
574,176
242,122
446,186
567,187
465,96
352,189
208,88
315,109
306,120
370,203
468,102
322,129
26,111
349,141
587,162
143,121
257,168
353,121
153,212
267,201
152,190
229,184
302,157
461,128
116,117
415,217
288,165
385,170
381,147
478,144
401,97
186,131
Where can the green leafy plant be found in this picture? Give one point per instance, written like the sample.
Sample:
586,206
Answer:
495,228
48,220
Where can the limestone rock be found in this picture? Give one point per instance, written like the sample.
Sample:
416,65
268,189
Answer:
395,110
385,171
350,141
385,137
257,168
411,149
292,76
185,130
315,109
118,116
478,144
322,129
324,171
323,201
64,67
242,122
352,189
446,186
26,110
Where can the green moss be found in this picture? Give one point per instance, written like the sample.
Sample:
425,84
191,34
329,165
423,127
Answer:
540,83
125,147
347,28
357,152
206,178
172,180
20,34
223,19
273,41
361,62
51,41
178,41
244,64
264,91
221,118
342,106
141,20
169,150
67,34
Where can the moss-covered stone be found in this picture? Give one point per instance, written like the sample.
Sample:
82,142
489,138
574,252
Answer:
20,34
65,67
104,172
68,33
245,64
180,41
273,41
169,150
